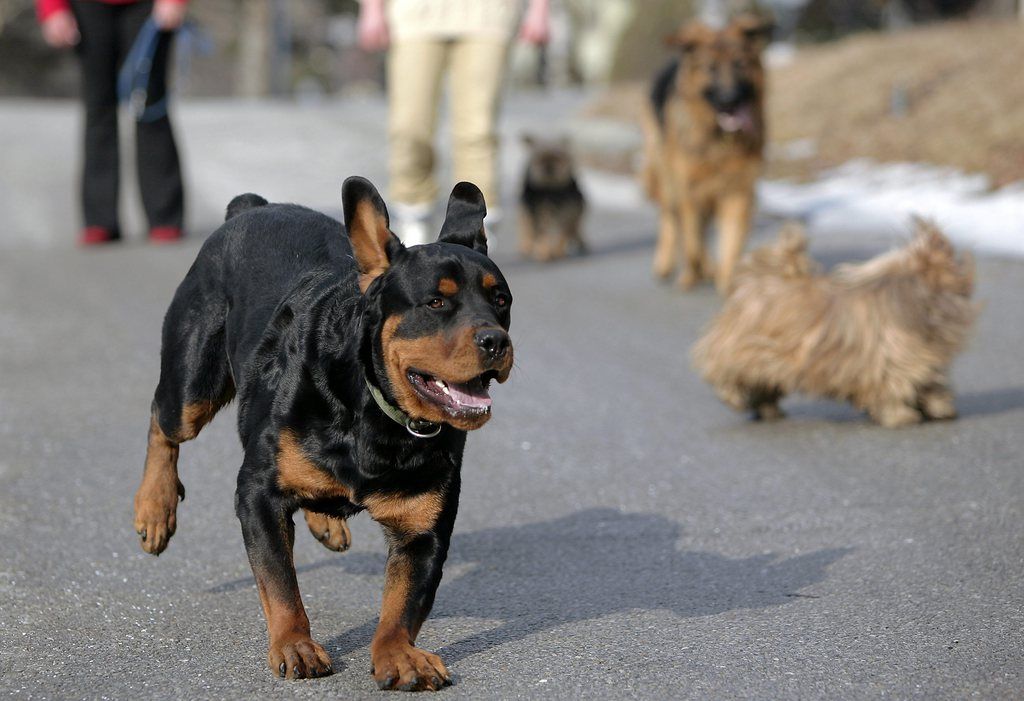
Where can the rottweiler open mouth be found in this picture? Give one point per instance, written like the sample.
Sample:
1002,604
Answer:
459,399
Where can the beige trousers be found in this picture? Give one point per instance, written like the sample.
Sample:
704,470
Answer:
476,67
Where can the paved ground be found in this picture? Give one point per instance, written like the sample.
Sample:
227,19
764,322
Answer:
621,535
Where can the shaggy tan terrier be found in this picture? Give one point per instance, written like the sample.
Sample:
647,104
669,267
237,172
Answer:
879,334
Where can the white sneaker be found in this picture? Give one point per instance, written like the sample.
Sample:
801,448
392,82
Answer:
412,223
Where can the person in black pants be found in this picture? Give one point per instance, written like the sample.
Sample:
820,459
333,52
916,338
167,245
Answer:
102,34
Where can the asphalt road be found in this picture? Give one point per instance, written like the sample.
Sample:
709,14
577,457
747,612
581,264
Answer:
621,534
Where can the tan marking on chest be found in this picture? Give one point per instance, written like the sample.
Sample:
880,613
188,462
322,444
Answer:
415,514
297,474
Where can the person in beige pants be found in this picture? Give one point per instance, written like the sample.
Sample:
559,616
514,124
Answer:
470,40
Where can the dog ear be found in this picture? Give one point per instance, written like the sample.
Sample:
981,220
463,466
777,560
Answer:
464,220
928,236
755,29
366,218
688,37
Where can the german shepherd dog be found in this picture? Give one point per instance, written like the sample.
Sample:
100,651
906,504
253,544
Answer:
704,135
359,366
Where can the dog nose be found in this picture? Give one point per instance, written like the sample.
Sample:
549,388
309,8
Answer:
728,98
493,342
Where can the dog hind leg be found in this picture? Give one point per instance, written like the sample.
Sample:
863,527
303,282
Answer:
331,531
575,234
195,382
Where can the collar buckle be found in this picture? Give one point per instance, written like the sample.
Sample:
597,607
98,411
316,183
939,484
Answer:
421,428
416,427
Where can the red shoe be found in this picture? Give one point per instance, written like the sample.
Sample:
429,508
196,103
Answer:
166,234
93,235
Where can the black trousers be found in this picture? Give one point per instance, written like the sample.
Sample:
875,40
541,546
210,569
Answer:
108,32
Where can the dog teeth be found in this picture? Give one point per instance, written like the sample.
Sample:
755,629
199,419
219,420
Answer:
443,387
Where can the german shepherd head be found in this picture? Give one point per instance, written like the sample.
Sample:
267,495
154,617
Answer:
720,73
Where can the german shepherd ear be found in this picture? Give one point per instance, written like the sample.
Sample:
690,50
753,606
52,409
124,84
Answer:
755,29
689,36
464,220
366,218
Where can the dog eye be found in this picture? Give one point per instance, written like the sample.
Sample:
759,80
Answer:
500,301
436,303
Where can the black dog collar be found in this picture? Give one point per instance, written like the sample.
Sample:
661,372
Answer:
417,427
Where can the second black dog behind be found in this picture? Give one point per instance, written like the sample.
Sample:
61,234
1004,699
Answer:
551,204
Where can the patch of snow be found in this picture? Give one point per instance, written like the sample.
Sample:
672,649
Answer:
865,196
612,191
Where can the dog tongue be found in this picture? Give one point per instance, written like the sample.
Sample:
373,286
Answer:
472,394
741,120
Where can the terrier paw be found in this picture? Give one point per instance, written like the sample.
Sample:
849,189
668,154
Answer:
768,412
333,532
156,514
407,668
896,415
298,657
938,405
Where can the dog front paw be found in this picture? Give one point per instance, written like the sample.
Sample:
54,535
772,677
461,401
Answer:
688,279
768,412
333,532
896,416
404,667
938,405
662,267
156,519
298,657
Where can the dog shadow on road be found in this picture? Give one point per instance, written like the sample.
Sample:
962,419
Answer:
993,401
587,565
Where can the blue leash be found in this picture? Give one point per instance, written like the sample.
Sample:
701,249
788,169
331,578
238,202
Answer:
133,80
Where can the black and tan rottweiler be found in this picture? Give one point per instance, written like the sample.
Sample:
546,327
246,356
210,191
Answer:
704,137
359,365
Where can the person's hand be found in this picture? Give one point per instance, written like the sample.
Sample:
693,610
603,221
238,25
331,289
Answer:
373,26
60,30
536,27
169,14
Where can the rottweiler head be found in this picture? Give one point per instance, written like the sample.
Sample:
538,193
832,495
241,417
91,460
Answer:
723,69
438,313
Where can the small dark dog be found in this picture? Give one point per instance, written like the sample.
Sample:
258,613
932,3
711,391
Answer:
551,204
359,365
879,334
